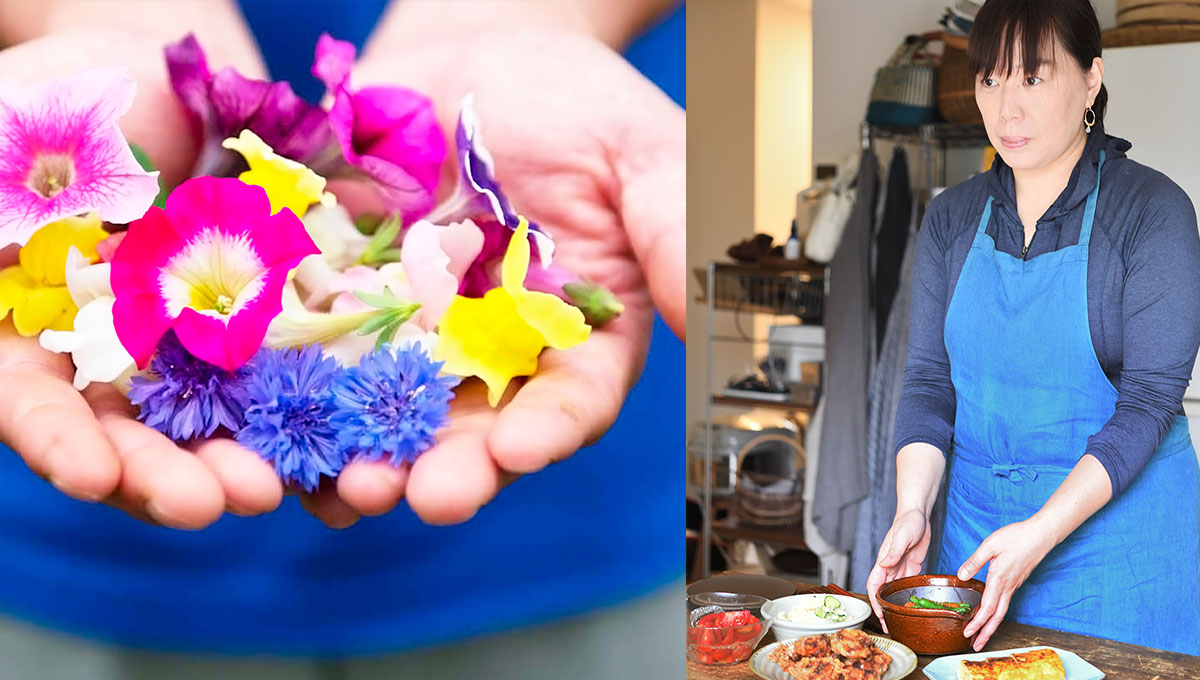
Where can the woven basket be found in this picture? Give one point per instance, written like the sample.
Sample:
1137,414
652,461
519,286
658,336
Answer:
754,506
768,509
1171,12
956,85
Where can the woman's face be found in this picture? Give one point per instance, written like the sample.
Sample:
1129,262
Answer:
1033,120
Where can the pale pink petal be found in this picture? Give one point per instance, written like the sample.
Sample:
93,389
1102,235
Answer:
333,61
360,278
425,264
462,242
108,246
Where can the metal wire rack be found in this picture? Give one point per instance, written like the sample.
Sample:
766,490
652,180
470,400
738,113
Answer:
798,292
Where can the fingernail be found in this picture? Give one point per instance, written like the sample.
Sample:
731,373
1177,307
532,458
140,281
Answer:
74,493
157,513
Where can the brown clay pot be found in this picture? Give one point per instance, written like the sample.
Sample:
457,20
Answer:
929,631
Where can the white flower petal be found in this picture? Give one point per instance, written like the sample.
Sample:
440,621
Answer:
331,228
86,281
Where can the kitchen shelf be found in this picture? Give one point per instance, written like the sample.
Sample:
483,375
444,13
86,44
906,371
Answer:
724,400
794,293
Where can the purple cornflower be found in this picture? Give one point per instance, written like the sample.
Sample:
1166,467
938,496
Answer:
185,397
288,410
390,405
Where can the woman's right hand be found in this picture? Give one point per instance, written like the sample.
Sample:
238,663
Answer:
902,554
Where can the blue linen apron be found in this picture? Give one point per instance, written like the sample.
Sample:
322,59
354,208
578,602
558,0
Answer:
1029,393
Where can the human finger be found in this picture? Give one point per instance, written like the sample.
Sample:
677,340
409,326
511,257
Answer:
327,506
372,488
989,627
650,159
451,481
50,424
572,401
250,484
171,485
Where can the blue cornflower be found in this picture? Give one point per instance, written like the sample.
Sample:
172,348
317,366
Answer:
390,405
288,410
184,397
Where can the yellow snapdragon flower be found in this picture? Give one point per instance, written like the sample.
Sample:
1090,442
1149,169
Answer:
35,290
500,335
289,184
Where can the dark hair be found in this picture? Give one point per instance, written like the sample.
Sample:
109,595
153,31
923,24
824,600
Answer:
1037,24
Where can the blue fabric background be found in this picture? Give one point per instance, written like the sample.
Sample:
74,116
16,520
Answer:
603,527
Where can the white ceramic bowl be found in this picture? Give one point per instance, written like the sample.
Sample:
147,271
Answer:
787,630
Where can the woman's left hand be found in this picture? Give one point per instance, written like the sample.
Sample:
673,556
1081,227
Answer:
1014,552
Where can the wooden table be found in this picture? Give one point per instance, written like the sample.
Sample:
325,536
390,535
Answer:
1118,660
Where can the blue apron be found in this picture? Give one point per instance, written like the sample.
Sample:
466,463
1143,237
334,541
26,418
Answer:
1029,393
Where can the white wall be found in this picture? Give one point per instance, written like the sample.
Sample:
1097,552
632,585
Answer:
851,39
749,122
720,149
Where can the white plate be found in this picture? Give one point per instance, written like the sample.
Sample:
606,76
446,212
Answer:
946,668
903,660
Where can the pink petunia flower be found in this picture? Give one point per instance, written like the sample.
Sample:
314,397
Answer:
389,133
211,266
62,154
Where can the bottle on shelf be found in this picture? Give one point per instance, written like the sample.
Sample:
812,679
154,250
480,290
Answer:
791,249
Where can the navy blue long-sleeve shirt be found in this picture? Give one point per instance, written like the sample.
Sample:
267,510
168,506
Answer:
1143,296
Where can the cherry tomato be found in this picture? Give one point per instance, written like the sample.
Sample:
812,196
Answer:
704,658
720,654
740,652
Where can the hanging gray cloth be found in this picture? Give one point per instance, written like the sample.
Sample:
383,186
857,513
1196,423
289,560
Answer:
842,475
877,510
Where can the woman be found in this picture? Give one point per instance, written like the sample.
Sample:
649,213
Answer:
1054,329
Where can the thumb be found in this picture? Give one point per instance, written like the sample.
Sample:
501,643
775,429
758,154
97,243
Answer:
975,562
650,161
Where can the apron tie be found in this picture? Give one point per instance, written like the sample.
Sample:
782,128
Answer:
1013,473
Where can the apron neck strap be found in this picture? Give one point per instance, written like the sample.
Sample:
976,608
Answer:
1089,212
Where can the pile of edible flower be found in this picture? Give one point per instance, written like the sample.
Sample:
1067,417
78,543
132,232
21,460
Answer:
246,302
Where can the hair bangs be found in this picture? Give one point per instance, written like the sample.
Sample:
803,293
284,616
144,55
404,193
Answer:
1028,28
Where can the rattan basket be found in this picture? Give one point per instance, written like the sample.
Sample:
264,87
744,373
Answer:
956,85
755,506
1166,12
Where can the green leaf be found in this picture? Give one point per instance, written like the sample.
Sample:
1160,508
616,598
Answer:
375,323
143,159
382,242
385,301
368,223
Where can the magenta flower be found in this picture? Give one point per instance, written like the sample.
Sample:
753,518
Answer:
62,154
226,103
389,133
211,267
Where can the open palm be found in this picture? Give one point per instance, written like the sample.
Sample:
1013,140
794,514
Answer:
89,444
590,149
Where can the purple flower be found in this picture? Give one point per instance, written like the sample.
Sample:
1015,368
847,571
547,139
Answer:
62,154
186,398
389,133
227,103
484,273
288,407
391,404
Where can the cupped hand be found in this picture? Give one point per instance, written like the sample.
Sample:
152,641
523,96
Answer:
901,554
1014,551
591,150
89,444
